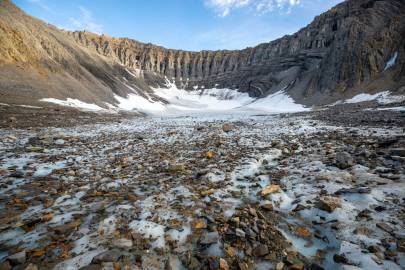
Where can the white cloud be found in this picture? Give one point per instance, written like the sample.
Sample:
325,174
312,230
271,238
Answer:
85,22
224,7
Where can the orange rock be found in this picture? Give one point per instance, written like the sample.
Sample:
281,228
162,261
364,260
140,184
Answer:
210,154
47,217
270,189
303,232
199,224
38,253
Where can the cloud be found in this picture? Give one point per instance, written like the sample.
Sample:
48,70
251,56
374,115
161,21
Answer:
223,7
42,5
84,22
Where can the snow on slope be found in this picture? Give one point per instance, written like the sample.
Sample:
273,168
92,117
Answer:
385,97
74,103
277,102
180,101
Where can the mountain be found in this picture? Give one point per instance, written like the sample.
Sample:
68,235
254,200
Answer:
343,52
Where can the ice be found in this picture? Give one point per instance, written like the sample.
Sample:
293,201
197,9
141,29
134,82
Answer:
135,101
47,168
78,261
75,103
392,61
150,230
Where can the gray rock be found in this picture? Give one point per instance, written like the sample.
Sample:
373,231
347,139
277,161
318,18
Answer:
343,160
260,250
209,238
17,258
107,256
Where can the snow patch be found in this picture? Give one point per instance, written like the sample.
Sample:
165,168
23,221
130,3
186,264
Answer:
277,102
391,62
75,103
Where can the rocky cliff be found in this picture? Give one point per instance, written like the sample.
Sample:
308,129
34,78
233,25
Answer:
342,52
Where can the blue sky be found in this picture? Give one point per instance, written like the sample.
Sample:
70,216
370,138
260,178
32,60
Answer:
182,24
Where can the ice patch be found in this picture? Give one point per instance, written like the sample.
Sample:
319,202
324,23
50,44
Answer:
391,62
150,230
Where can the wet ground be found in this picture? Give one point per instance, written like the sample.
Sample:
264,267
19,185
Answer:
204,192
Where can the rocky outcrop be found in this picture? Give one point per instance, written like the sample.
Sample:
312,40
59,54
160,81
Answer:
342,52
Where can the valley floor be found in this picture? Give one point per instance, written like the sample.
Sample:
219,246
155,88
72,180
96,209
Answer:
316,190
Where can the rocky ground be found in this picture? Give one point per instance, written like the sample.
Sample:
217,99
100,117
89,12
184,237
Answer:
205,192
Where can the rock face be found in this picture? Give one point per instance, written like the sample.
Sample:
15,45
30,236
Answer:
341,52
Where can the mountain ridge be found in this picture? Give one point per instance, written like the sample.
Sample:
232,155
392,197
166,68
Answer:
342,52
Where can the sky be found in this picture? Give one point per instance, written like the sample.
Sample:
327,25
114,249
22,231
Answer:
182,24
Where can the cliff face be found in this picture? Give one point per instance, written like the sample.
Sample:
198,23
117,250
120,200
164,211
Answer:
343,51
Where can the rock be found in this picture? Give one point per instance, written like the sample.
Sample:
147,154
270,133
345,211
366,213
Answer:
209,238
91,267
240,233
199,223
280,266
17,258
12,119
230,251
267,205
122,243
260,250
303,232
223,264
340,258
5,265
177,168
270,189
343,160
209,154
397,152
227,127
31,267
297,266
107,256
329,203
385,227
208,192
361,190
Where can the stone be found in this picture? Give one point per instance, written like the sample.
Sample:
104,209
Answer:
303,232
177,167
209,238
361,190
340,258
385,227
223,264
267,205
209,154
227,127
397,152
280,266
91,267
343,160
5,265
17,258
240,233
199,223
107,256
270,189
297,266
122,243
329,203
260,250
31,267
